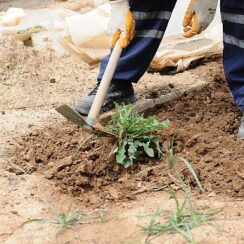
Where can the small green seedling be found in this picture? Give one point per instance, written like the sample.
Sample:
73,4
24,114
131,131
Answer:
185,217
135,135
63,219
66,219
182,220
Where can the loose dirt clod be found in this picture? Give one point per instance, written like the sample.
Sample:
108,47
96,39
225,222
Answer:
203,125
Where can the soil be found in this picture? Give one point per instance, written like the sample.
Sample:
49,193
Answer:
204,127
21,66
50,152
45,160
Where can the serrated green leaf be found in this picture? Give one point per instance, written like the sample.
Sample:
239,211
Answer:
148,150
132,148
120,156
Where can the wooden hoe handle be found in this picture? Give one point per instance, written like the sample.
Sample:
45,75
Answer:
104,85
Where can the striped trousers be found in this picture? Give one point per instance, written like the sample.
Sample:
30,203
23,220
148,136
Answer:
232,12
152,18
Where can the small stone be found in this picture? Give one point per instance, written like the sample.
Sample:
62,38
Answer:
123,179
81,168
63,163
82,181
51,164
113,192
238,184
212,194
241,174
139,185
193,140
241,193
49,174
35,133
93,199
30,125
52,80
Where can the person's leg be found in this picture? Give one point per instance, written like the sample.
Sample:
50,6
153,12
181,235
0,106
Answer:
151,21
151,18
233,23
241,129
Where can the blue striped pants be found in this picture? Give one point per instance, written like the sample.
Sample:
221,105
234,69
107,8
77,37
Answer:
152,18
233,23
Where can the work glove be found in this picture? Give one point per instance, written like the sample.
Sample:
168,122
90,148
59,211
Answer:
121,23
198,16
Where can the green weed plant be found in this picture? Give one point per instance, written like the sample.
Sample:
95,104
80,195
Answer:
135,135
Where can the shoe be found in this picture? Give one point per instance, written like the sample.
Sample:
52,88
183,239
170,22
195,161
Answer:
240,134
121,92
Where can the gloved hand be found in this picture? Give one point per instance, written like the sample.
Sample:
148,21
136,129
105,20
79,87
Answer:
121,23
198,16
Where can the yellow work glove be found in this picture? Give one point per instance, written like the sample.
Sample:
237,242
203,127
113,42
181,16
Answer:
121,23
198,16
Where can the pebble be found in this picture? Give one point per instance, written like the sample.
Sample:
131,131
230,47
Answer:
14,212
52,80
35,133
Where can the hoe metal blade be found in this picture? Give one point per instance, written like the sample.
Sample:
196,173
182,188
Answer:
71,115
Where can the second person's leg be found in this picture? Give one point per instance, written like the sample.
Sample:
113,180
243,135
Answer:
233,24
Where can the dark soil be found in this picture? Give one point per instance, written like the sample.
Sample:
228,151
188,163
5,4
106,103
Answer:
203,126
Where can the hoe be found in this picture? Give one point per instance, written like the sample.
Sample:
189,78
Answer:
90,122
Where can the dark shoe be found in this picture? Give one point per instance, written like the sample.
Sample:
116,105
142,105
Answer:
121,92
240,134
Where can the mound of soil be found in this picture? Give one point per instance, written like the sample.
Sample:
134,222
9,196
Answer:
203,125
81,164
26,72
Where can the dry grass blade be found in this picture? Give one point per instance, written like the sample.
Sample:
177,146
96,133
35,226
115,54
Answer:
192,171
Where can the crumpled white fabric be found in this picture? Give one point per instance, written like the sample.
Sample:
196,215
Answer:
85,35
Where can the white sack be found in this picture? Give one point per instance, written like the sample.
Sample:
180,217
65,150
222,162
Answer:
85,35
88,38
